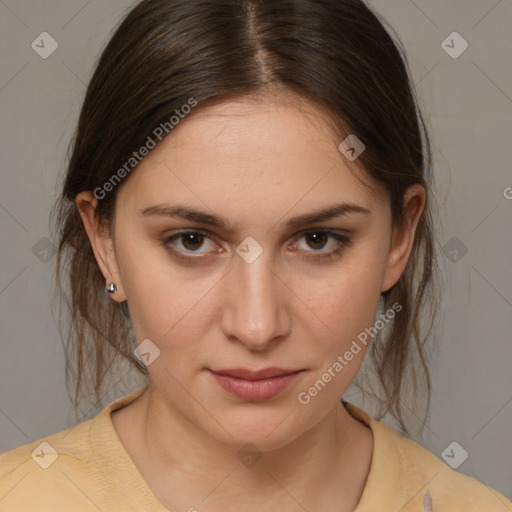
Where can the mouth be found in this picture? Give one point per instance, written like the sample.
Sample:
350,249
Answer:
255,386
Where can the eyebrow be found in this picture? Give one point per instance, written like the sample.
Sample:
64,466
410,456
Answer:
202,217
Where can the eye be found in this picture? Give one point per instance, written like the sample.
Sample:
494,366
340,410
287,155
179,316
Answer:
318,239
190,242
184,244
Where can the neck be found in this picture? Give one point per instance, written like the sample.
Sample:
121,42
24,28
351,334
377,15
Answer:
183,463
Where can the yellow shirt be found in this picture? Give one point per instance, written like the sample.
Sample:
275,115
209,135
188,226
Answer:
86,468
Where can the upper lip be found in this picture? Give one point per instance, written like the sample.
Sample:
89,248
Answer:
265,373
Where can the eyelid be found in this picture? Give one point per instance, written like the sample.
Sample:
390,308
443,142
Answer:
167,239
342,238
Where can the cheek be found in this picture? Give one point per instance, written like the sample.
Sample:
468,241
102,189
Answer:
163,308
168,304
152,296
348,310
347,303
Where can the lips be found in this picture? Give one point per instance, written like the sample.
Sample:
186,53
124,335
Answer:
255,386
265,373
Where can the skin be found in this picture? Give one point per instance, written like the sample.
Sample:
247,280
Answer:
256,162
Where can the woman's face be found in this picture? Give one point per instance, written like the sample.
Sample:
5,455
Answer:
248,287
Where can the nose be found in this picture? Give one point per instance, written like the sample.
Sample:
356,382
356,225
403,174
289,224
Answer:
255,312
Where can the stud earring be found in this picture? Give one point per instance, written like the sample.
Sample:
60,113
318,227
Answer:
111,288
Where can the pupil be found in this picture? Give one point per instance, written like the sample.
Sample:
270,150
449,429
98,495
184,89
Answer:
318,238
191,238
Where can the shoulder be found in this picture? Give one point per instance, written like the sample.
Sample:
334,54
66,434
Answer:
81,468
34,473
44,450
447,488
408,477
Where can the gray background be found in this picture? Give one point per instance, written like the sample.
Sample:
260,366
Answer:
469,105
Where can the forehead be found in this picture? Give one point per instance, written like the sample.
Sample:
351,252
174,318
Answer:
256,150
262,128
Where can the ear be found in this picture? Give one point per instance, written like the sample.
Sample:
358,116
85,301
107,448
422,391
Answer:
402,240
101,242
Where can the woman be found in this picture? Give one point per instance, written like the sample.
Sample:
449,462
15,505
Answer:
249,183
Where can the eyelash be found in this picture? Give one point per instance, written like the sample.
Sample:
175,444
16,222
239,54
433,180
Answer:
344,241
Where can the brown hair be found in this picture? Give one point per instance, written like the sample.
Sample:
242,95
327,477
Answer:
334,53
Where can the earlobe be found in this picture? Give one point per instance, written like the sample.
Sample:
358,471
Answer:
101,242
402,241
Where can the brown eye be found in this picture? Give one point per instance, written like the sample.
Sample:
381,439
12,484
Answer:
317,240
192,241
187,243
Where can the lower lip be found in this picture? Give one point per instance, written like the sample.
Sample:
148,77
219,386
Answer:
255,390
